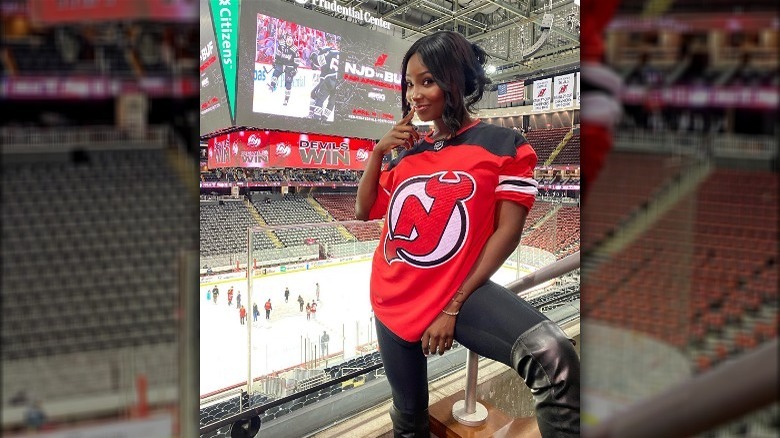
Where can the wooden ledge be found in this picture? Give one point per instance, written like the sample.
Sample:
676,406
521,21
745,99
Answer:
498,425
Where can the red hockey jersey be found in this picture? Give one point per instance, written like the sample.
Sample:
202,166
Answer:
438,200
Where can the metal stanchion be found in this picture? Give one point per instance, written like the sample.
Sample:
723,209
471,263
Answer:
468,411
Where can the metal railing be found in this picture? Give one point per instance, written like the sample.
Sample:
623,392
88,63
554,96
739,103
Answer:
278,402
468,411
725,393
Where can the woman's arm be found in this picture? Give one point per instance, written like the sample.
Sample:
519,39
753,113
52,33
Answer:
367,187
509,222
402,134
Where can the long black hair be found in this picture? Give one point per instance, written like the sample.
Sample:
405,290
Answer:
457,67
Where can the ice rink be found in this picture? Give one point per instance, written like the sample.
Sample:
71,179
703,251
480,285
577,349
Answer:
343,311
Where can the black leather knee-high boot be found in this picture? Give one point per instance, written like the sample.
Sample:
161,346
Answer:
546,360
410,425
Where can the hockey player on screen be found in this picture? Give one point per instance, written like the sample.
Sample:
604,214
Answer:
285,61
327,60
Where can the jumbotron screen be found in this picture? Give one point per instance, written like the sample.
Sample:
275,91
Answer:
300,70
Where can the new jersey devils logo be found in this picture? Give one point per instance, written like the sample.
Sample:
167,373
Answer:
282,150
427,221
253,141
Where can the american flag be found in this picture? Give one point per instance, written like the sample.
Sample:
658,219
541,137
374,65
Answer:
511,92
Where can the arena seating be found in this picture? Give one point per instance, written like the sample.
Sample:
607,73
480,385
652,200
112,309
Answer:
566,228
735,275
539,210
223,231
342,208
133,50
293,209
544,141
730,299
640,288
609,207
570,154
37,56
73,249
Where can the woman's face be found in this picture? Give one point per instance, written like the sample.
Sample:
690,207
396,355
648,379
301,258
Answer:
422,92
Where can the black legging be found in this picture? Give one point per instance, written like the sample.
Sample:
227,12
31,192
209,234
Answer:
489,323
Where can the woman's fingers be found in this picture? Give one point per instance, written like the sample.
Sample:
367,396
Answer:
407,118
405,136
432,344
445,345
405,126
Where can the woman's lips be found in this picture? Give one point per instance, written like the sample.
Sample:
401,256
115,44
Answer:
421,107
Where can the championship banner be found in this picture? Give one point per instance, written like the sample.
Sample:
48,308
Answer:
564,91
542,94
254,148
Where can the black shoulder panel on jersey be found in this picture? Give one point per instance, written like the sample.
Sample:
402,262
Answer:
496,139
499,141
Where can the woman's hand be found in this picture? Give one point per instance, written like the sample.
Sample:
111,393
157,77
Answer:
439,336
402,134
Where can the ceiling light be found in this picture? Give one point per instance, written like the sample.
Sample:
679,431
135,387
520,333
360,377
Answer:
490,69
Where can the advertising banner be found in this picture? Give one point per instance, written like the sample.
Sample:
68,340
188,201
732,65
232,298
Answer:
703,97
577,87
255,148
564,91
225,14
215,112
542,94
59,11
93,87
252,184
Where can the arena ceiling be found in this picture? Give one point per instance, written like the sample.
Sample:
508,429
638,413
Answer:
507,29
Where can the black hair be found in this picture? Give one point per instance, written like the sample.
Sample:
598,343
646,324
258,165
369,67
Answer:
457,67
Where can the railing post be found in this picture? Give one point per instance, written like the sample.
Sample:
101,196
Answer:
249,298
468,411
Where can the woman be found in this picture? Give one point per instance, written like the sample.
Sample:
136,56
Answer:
455,203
